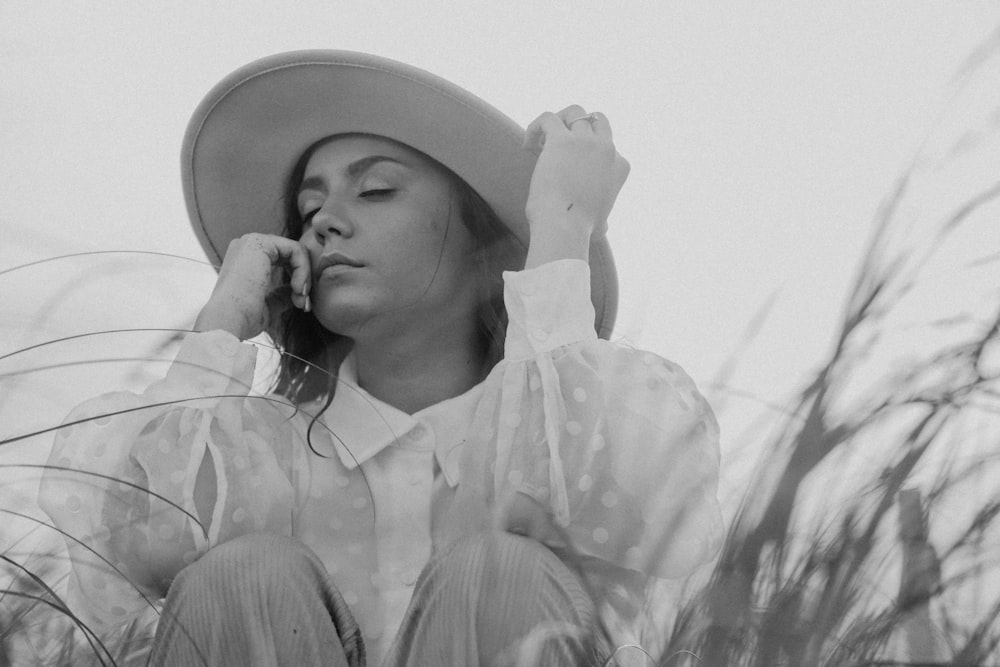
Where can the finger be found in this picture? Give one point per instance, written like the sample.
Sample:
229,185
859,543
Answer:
622,167
571,112
294,256
601,125
576,119
543,126
301,267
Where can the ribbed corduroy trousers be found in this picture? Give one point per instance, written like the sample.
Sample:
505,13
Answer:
265,600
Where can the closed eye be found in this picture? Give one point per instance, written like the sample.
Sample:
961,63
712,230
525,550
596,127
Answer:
375,194
307,217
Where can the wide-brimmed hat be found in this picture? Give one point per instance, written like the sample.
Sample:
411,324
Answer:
251,128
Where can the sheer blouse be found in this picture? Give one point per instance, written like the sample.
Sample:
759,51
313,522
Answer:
615,443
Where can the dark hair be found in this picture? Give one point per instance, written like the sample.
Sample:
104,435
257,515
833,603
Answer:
311,355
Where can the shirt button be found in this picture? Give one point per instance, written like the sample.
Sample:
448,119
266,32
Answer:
540,334
418,432
527,290
409,577
414,480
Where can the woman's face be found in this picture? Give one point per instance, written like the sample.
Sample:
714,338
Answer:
388,249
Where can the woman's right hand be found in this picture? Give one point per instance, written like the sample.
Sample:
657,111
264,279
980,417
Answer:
575,182
252,289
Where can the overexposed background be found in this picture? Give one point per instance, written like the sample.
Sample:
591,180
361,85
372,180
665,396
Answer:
762,138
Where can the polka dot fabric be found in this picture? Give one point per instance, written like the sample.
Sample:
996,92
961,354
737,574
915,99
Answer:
615,444
145,525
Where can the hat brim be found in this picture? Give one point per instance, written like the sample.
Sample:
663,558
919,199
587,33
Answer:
248,132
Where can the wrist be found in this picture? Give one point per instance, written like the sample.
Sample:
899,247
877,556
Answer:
555,237
227,315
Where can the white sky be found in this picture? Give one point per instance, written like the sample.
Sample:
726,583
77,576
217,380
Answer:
762,138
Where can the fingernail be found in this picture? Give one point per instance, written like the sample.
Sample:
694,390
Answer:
308,307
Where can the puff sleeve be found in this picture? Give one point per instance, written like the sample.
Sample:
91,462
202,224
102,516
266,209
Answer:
616,443
123,472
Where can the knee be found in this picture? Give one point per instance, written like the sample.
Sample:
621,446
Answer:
499,563
509,586
247,550
260,559
514,557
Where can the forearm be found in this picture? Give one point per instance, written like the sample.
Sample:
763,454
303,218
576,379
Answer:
226,314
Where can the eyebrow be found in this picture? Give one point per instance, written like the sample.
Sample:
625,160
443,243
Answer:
354,170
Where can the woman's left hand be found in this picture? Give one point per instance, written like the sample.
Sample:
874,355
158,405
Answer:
521,514
576,179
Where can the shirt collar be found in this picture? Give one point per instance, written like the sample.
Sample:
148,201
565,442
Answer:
449,421
363,425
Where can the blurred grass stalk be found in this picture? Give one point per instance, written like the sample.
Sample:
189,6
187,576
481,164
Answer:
869,534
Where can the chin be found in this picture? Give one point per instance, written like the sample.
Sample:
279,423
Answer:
343,318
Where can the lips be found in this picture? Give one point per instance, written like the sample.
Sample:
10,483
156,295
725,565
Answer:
334,259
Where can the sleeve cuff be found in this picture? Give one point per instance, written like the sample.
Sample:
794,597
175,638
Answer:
548,307
210,362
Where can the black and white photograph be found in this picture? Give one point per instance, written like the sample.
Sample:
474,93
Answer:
512,334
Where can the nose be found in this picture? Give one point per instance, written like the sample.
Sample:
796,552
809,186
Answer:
329,223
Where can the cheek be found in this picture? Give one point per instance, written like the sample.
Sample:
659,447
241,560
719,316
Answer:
421,244
415,261
460,247
424,248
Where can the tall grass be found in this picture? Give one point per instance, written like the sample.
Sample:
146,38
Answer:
869,533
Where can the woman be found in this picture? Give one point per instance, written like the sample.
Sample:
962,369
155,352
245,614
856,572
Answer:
455,463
